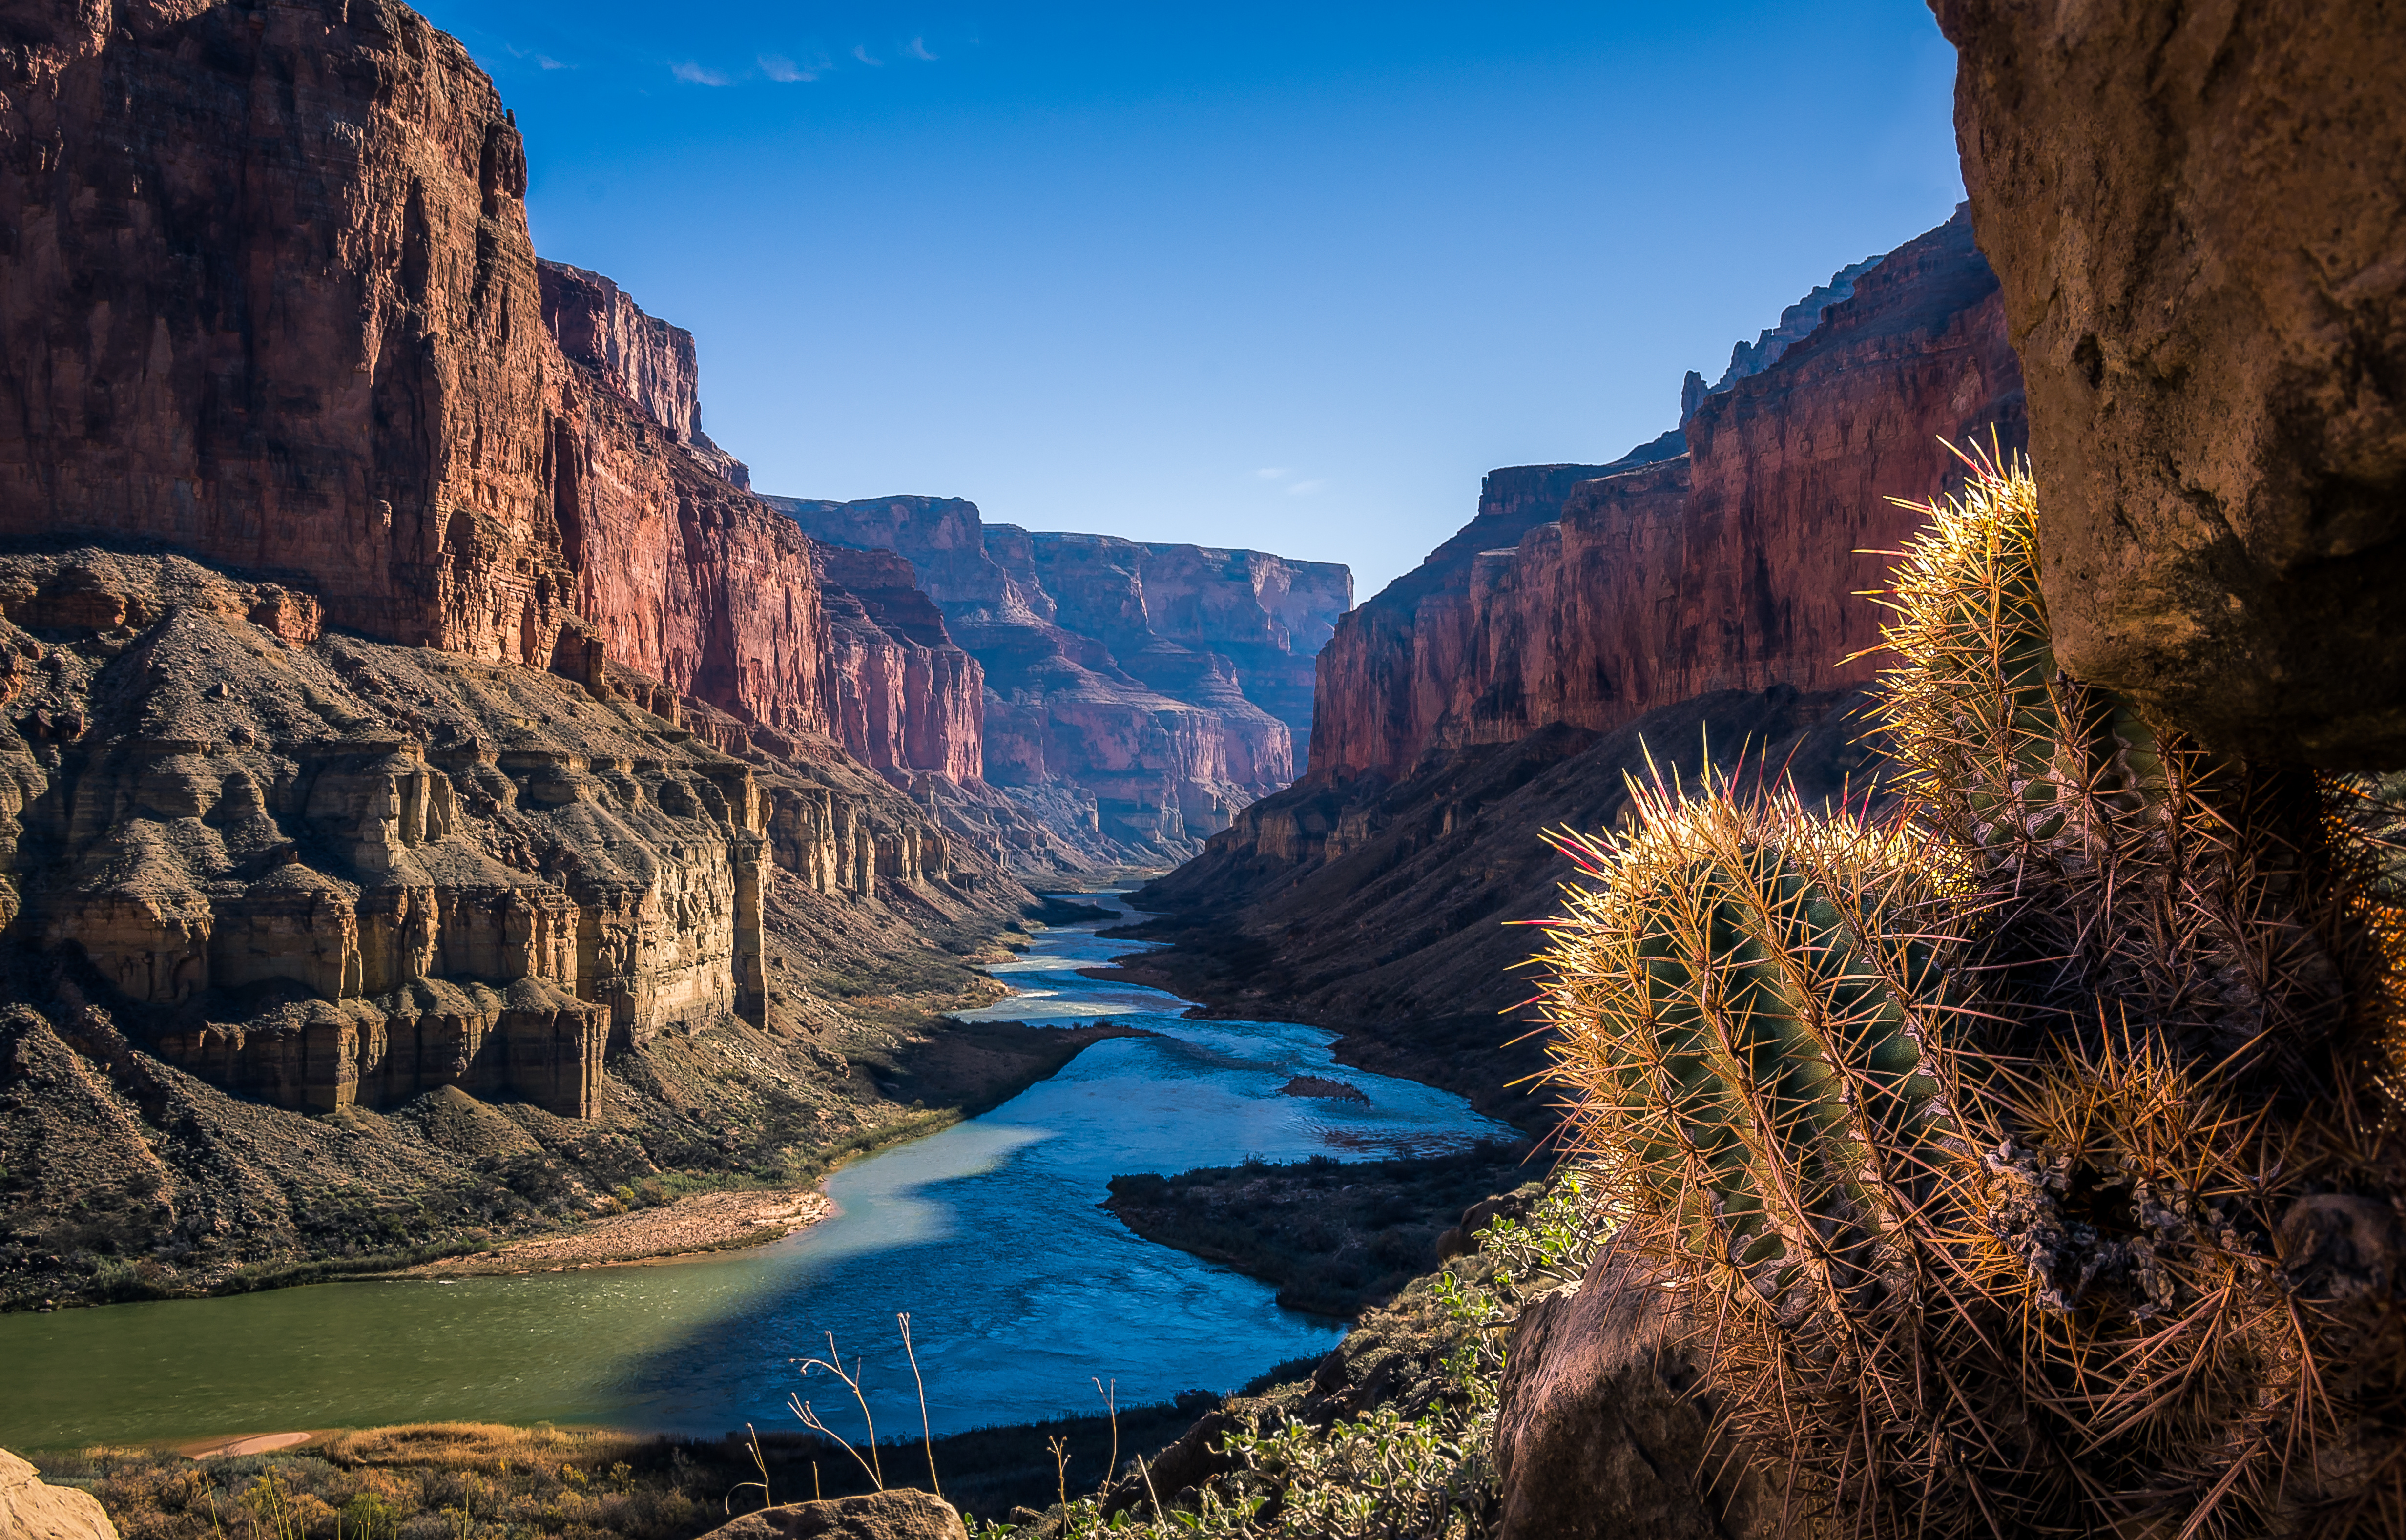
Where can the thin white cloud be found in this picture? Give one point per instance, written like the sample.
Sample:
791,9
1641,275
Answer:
1304,488
776,66
548,62
695,74
860,51
918,50
1274,472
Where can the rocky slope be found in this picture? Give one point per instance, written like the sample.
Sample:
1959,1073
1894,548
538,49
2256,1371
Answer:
1591,615
2195,211
1136,696
252,865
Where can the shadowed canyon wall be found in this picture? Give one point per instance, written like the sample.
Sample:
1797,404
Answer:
1703,586
1137,695
2196,213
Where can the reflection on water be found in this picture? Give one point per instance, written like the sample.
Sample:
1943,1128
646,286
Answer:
1019,1288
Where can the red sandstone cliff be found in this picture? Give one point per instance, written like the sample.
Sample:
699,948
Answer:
1732,567
271,300
1589,618
905,697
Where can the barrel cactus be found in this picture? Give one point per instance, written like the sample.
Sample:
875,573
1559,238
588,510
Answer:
2009,1149
1755,1006
2116,859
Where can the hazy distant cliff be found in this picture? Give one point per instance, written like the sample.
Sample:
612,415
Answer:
1143,692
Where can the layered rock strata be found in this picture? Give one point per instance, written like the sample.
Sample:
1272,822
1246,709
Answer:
1136,696
321,870
2196,216
904,696
1591,595
271,303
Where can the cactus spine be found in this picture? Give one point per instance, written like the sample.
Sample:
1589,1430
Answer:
2029,1261
2117,860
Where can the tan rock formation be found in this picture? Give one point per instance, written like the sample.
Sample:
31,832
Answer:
898,1515
349,872
1601,1431
2194,212
31,1509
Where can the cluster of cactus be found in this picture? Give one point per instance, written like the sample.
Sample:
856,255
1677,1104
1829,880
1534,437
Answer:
1995,1140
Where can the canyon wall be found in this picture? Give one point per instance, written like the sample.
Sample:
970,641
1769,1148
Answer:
466,745
1591,620
2195,210
270,300
1593,594
1137,695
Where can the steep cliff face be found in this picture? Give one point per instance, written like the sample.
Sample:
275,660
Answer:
272,302
1137,695
905,697
652,364
2194,212
1589,617
1593,594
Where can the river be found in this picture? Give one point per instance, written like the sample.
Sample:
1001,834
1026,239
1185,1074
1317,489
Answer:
1021,1289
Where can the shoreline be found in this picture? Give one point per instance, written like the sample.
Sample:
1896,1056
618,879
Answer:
696,1225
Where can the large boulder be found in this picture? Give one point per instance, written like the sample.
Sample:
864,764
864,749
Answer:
879,1515
2195,211
30,1509
1601,1434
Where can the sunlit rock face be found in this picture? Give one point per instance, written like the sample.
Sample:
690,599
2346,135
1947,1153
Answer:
339,870
1595,623
1591,595
1136,696
271,302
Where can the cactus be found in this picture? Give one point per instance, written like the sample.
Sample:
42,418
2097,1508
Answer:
1755,1006
2046,1275
2119,860
1746,1017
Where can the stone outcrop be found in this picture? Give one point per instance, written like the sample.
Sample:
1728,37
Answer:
2194,210
901,1514
1602,1431
652,364
1591,595
32,1509
319,870
1136,696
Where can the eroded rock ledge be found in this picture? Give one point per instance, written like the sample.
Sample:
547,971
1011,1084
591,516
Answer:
321,870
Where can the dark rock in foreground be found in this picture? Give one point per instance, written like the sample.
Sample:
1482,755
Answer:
2195,214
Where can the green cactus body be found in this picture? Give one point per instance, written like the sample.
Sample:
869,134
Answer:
1745,1002
2119,864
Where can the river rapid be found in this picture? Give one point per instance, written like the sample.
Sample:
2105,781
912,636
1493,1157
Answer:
1022,1292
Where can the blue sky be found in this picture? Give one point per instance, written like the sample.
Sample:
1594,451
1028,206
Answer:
1287,277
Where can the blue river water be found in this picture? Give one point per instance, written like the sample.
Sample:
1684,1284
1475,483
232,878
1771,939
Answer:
1022,1290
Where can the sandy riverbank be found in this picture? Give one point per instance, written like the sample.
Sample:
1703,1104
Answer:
707,1222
